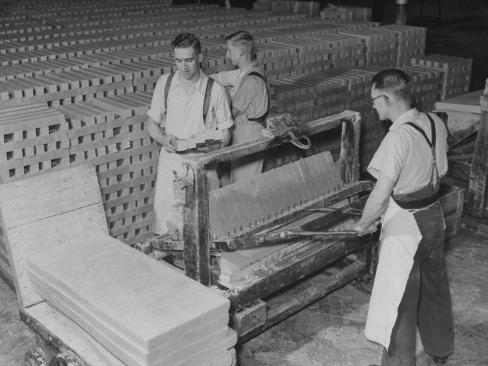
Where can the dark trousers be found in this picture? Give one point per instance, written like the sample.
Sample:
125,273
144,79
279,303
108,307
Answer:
426,302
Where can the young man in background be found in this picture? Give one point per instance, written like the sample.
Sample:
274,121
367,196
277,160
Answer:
249,99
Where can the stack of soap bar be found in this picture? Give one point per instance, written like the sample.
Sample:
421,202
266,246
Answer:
211,137
145,312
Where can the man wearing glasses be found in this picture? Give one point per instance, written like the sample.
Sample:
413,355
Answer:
411,286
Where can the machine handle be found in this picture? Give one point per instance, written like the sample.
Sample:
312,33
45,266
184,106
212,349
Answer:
303,142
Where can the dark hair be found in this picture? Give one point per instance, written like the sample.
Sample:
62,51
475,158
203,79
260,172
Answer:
185,40
243,39
394,81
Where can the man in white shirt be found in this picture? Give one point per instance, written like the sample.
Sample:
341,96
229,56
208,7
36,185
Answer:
411,287
250,100
184,105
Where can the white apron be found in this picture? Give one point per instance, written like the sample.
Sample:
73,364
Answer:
170,166
400,238
169,195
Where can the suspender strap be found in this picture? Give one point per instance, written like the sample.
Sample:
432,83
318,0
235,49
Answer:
435,173
432,129
166,90
206,101
255,73
260,119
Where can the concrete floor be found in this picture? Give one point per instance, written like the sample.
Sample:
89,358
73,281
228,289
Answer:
330,332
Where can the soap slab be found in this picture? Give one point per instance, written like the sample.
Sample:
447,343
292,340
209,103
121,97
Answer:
193,341
148,302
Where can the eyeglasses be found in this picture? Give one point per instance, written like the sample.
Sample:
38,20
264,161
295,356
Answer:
371,100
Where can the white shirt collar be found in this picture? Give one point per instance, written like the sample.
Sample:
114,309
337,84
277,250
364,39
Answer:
409,116
199,85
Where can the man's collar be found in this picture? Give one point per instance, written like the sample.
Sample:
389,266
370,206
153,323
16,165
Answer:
249,68
199,85
409,116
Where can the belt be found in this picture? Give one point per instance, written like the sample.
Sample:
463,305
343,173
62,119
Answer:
417,204
261,119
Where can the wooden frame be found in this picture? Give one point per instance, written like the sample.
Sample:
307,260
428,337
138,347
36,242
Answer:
196,252
287,288
478,176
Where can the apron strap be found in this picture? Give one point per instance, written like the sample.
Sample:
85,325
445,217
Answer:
260,119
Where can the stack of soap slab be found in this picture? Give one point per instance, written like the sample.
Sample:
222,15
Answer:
467,103
210,137
143,311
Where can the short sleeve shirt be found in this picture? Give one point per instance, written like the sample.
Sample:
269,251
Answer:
249,94
184,117
405,156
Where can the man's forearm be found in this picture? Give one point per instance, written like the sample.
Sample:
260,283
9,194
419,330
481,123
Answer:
373,209
155,132
377,202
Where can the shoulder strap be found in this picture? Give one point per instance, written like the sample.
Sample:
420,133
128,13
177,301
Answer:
255,73
206,101
421,131
435,172
432,129
261,119
166,90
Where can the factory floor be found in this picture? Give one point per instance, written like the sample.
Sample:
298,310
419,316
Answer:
330,332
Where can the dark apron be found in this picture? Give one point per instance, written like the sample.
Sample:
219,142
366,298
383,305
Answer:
429,219
425,201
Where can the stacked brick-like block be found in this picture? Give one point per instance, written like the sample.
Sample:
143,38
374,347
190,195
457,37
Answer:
456,72
109,132
346,13
410,42
76,79
33,139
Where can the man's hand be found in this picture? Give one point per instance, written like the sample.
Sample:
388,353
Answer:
168,142
365,230
157,134
375,206
226,135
